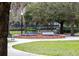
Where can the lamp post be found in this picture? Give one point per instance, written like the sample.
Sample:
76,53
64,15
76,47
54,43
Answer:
21,23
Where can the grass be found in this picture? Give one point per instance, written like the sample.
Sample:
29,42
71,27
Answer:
15,32
51,48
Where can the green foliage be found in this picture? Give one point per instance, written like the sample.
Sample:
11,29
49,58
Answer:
67,30
15,32
51,11
30,29
45,13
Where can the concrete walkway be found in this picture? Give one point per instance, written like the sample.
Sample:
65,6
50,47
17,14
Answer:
14,52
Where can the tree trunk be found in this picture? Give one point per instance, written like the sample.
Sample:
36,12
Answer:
4,19
61,27
21,24
72,28
72,22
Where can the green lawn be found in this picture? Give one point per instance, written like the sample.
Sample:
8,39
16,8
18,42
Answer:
16,32
51,48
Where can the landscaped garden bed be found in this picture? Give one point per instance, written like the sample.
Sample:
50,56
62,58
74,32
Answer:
40,36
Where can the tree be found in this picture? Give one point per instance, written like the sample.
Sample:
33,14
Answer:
60,15
39,13
73,12
4,21
45,13
67,12
63,13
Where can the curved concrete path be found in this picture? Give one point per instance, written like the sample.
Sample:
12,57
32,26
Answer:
14,52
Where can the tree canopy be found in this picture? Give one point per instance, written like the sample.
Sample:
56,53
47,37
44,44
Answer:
44,13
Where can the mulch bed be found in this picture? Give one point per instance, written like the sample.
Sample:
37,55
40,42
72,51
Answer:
40,36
